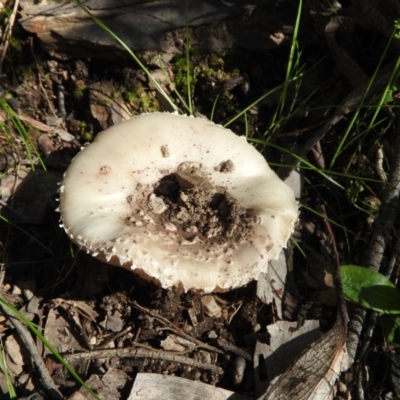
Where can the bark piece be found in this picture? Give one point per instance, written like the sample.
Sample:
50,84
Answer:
149,25
155,387
271,285
211,307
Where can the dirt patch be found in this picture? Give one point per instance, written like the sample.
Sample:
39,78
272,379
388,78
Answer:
189,209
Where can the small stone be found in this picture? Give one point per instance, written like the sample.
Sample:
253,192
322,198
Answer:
211,307
171,344
193,316
165,151
170,227
212,335
114,322
64,135
156,204
53,121
225,166
114,379
239,367
16,290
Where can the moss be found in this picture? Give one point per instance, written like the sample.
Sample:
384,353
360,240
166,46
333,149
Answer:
116,94
25,72
85,132
141,100
79,91
15,44
104,101
208,74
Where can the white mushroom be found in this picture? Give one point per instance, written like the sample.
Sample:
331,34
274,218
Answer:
178,199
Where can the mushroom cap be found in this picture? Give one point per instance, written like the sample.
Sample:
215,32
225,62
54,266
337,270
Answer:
178,199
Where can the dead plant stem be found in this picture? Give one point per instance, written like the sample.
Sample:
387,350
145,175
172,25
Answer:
8,33
144,353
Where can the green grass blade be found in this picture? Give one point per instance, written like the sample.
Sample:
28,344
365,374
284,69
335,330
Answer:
294,53
3,367
187,54
26,233
302,160
306,207
20,128
362,104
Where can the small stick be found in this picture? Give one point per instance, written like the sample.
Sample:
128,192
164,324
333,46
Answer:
234,349
143,353
318,154
338,279
110,339
8,32
49,103
379,158
235,311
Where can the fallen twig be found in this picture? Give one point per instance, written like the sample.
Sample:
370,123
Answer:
8,32
338,278
110,339
49,103
234,349
143,353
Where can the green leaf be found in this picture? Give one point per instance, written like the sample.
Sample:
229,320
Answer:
370,289
391,325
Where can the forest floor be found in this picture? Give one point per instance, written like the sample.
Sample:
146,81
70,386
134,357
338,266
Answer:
328,110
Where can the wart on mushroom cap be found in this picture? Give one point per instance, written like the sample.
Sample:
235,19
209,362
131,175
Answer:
177,199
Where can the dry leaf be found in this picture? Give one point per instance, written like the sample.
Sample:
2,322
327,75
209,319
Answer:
271,285
315,372
286,344
58,333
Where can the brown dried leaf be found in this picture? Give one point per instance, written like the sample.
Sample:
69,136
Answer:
314,373
285,345
59,333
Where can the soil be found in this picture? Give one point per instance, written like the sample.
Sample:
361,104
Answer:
84,306
189,209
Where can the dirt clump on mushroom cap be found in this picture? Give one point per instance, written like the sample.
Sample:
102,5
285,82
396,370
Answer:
189,209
